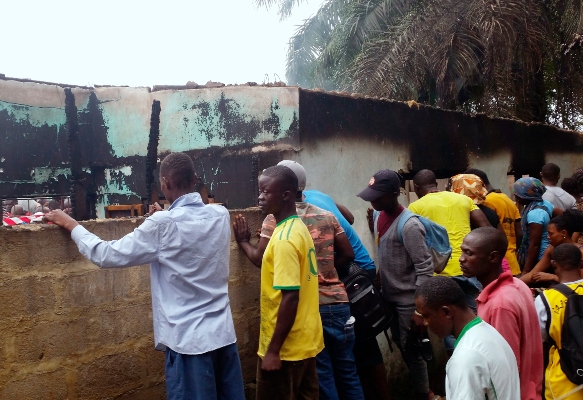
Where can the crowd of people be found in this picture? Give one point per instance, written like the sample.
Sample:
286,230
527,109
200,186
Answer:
13,207
501,342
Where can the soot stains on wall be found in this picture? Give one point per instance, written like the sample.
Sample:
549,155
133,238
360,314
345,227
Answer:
437,139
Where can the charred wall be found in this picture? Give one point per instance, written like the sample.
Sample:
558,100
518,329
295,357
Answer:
440,140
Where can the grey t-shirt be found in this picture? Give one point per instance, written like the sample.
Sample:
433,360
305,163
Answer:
559,198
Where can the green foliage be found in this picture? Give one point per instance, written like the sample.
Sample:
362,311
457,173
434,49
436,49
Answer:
507,58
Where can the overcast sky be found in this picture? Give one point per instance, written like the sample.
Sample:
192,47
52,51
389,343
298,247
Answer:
145,43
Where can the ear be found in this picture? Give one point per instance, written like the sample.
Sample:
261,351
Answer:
496,257
287,195
448,311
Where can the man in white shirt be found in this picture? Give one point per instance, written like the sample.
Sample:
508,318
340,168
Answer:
187,248
550,175
483,365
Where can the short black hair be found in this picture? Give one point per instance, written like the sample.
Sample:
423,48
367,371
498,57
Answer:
479,173
568,256
571,221
492,239
550,171
179,169
285,177
439,291
425,177
571,186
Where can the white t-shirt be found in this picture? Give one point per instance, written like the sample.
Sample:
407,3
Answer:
559,198
483,366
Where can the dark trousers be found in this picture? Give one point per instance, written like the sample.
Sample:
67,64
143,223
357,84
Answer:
215,375
295,380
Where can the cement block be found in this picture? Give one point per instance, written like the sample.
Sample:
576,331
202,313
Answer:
109,376
48,339
26,296
46,386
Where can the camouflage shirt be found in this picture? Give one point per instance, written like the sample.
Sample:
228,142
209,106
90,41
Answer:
323,227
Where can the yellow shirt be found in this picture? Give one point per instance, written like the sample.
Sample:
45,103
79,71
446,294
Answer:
507,213
556,382
452,211
289,263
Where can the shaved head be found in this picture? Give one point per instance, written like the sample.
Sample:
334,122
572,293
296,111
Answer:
551,171
490,239
425,177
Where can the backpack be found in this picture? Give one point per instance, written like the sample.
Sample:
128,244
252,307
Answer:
571,351
370,310
436,239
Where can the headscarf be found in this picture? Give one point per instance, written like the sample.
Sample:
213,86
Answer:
469,185
532,190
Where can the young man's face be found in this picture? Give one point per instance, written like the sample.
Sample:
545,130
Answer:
474,261
388,201
439,320
271,195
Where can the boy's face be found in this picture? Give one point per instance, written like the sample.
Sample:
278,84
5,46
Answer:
271,195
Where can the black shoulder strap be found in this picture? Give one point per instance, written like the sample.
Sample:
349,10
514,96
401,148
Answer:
549,316
564,289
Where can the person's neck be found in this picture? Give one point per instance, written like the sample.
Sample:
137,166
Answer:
176,195
548,182
285,212
392,210
466,316
569,276
491,277
489,187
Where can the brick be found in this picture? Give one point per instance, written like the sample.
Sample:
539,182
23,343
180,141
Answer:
50,385
109,376
26,296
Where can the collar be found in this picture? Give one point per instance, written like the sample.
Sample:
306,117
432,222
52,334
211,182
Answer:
186,199
469,326
286,219
504,279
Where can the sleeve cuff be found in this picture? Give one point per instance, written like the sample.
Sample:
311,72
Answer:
286,287
78,232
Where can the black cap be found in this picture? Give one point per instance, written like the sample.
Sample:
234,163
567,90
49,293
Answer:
384,181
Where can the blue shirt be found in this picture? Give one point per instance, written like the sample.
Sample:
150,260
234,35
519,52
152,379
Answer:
187,248
322,200
541,217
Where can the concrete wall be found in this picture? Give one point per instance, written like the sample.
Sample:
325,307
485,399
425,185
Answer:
73,331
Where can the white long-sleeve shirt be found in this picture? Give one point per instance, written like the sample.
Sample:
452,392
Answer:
187,248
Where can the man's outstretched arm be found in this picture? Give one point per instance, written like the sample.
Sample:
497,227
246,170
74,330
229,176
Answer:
243,235
136,248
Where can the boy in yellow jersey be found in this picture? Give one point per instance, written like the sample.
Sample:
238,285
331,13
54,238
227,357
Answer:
291,330
550,307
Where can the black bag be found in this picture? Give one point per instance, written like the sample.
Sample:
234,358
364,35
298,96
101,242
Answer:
571,351
372,313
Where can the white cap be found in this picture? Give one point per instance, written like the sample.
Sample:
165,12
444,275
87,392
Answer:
300,172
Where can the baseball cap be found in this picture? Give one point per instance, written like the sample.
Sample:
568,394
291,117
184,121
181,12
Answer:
384,181
297,168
